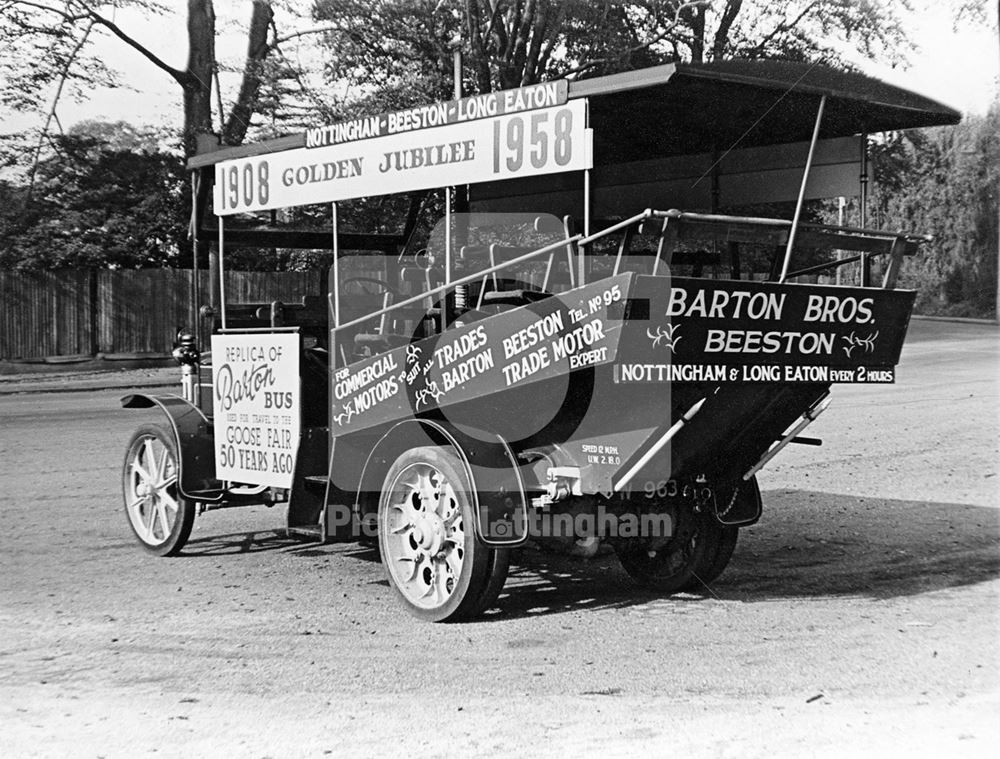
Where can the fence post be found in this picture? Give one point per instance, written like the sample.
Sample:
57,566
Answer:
93,319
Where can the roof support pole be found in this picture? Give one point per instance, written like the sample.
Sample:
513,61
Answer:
336,266
222,274
581,273
447,237
193,289
863,221
802,190
863,207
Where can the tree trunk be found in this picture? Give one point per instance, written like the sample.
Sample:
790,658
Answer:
732,10
197,82
257,49
478,44
696,20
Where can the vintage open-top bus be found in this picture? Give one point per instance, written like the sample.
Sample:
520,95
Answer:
566,356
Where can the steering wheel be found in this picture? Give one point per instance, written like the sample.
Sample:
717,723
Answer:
370,286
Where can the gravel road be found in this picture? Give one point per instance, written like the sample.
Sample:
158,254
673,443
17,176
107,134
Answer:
860,617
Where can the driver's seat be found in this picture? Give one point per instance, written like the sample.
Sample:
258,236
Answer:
381,340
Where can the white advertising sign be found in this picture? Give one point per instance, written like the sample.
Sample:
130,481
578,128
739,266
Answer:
255,389
523,144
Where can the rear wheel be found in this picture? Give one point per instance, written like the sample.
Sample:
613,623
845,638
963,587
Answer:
668,565
714,565
428,542
157,513
743,501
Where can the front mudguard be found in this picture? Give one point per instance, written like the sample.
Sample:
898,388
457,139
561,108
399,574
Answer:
195,438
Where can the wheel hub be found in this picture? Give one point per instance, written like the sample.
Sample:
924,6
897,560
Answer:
429,533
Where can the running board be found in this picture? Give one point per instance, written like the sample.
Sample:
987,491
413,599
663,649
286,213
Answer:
312,531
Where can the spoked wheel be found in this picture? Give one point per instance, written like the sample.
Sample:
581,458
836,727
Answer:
428,542
160,518
672,564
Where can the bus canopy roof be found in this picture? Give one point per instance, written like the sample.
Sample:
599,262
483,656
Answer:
681,108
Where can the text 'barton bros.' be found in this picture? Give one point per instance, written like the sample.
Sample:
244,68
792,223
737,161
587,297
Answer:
763,307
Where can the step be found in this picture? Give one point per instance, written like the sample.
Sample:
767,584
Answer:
306,531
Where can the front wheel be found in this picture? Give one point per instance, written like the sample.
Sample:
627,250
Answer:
427,538
157,513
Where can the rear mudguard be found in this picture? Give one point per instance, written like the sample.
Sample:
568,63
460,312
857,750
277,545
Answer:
497,486
194,436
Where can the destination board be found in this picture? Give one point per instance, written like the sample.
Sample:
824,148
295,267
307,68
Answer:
485,105
722,331
519,144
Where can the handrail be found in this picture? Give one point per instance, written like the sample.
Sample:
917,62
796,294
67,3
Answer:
647,214
840,262
672,214
249,330
762,221
829,265
467,279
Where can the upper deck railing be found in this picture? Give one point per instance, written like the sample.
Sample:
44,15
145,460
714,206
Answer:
674,226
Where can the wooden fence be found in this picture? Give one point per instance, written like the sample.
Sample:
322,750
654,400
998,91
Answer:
85,313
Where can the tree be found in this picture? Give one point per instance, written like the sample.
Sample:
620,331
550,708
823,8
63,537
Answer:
46,55
944,182
400,52
56,37
113,197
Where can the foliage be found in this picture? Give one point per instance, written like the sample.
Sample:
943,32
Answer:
57,38
40,33
398,52
944,182
113,197
62,214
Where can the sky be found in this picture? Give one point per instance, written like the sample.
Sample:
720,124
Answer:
957,67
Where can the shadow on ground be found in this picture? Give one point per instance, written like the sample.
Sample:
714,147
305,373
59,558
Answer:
274,540
245,542
807,545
